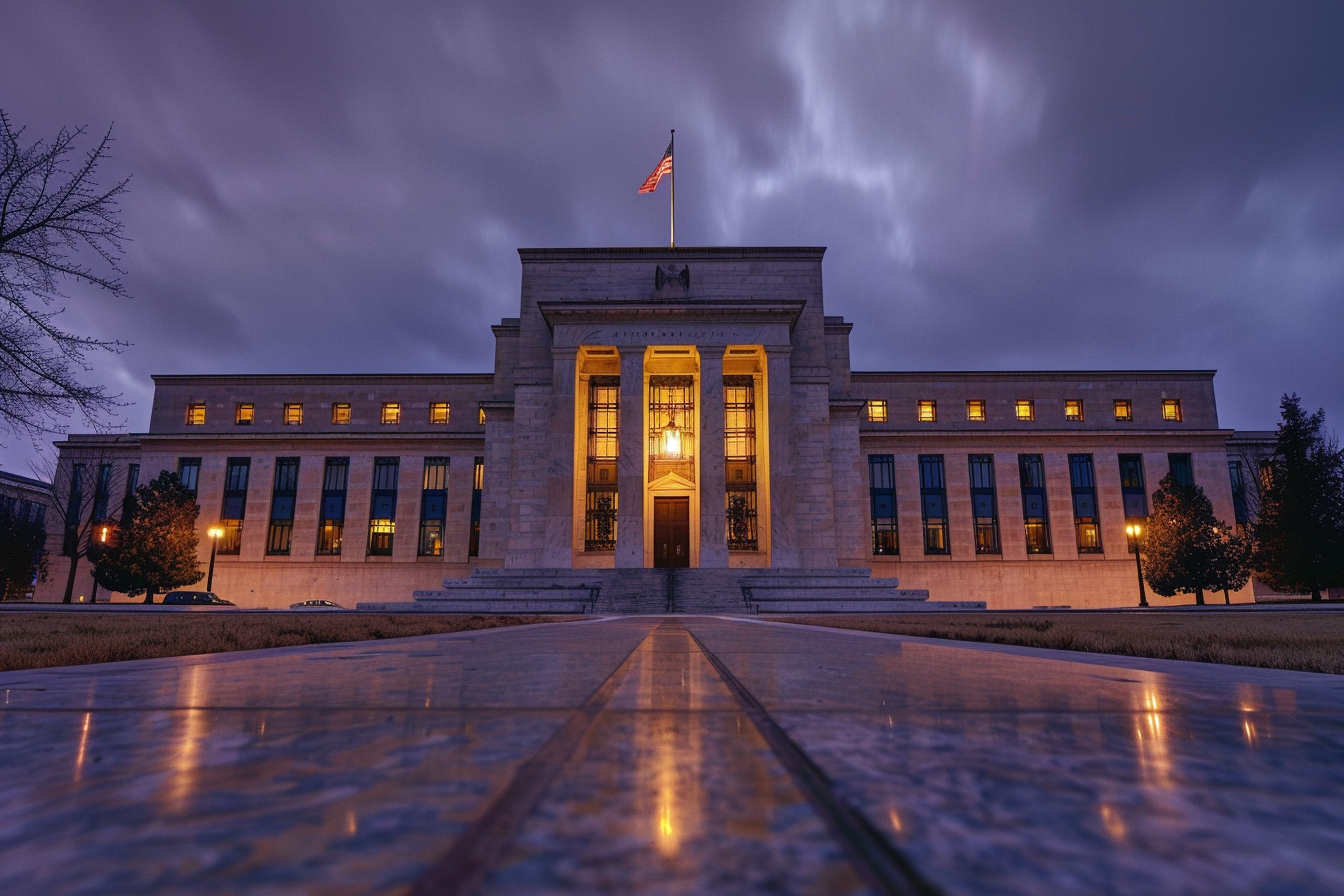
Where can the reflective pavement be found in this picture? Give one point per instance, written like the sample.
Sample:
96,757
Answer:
678,755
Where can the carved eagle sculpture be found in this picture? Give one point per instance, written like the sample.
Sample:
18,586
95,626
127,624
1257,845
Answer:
665,275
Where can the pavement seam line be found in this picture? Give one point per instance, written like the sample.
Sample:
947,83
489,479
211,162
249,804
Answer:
464,866
879,863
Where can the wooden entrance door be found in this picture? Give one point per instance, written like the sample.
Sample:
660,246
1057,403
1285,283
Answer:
671,533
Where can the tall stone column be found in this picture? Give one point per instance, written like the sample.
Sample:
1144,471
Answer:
558,551
713,534
630,466
783,488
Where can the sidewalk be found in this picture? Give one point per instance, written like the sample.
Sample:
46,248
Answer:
679,755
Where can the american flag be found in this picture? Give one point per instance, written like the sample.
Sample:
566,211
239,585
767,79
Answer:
664,167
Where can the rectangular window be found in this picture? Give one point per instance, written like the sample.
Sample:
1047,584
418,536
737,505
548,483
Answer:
480,415
984,504
739,462
477,488
1073,410
975,410
672,420
1182,470
331,519
933,503
1124,410
73,511
1025,409
928,410
293,413
189,471
1171,410
882,503
433,507
1132,488
438,413
1086,522
877,410
102,492
235,504
1238,477
243,414
383,506
1035,515
391,413
604,410
196,414
132,482
280,532
340,413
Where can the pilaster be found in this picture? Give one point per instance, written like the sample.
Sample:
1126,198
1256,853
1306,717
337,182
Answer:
558,551
630,466
713,530
783,489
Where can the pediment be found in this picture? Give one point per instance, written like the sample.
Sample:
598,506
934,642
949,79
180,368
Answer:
671,482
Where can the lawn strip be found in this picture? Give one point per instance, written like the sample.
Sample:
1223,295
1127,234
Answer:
1301,642
41,640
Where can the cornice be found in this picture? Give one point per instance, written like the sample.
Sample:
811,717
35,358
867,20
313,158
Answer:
695,253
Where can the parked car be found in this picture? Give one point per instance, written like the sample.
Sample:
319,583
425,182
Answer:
196,598
316,605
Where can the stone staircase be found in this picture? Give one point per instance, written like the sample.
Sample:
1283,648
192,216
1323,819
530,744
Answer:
704,591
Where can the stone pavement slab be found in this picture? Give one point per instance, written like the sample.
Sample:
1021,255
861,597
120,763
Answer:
669,755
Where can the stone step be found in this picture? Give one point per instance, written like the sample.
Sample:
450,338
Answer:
493,606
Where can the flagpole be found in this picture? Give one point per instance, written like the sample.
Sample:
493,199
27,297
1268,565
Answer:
672,243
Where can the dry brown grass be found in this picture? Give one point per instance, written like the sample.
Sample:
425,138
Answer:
33,640
1302,641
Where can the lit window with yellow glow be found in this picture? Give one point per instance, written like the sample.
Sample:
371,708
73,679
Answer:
1073,409
438,413
1124,410
391,412
928,410
877,411
293,413
243,414
975,410
480,415
340,413
1025,408
1171,410
196,414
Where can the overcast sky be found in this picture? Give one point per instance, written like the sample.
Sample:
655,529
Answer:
341,187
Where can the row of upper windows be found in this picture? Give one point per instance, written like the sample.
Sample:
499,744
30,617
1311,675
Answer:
1024,409
244,413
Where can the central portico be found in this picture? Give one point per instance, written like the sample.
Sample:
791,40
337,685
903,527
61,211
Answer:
666,408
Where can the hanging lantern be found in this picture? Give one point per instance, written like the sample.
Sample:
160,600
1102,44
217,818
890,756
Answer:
670,438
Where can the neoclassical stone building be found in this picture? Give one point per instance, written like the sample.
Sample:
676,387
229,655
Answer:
678,408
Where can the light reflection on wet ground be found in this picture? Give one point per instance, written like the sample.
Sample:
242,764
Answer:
351,768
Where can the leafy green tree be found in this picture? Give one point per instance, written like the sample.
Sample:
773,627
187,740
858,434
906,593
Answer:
1231,561
1181,544
1300,531
23,555
157,550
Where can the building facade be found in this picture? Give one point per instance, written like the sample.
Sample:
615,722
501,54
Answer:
675,408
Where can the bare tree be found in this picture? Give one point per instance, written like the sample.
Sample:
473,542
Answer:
86,509
52,214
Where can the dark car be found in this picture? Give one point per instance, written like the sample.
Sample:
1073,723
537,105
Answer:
196,598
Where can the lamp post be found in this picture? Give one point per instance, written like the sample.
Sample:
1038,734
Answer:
214,532
1134,530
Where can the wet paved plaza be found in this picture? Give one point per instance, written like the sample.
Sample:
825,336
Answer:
682,755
